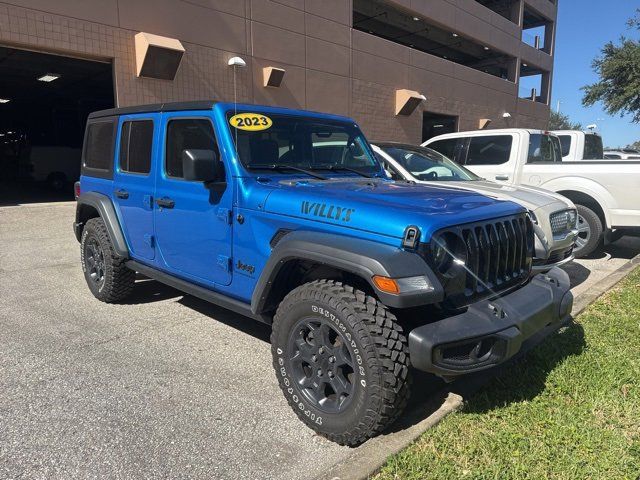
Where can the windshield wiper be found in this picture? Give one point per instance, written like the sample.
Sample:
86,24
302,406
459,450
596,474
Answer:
340,168
280,167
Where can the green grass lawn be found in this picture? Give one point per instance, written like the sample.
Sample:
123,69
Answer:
569,409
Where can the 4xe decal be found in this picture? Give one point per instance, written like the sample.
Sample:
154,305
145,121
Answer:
250,121
332,212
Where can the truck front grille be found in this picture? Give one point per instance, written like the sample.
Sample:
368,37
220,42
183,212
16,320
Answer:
489,257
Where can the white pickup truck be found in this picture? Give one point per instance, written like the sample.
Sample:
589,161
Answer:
578,145
606,193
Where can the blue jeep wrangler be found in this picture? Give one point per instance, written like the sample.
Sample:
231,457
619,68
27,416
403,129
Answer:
287,217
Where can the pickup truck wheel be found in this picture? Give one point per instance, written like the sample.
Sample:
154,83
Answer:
341,359
589,232
105,272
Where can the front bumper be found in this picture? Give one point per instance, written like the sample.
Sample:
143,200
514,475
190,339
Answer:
492,331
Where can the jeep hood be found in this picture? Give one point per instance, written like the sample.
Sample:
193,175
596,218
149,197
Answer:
381,206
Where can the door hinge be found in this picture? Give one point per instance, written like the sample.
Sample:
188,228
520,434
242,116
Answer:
224,214
224,262
149,239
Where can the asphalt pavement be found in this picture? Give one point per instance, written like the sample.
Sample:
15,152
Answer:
163,386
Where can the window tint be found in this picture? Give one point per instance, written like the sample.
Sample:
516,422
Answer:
136,141
446,147
98,146
593,149
185,134
565,144
489,150
544,148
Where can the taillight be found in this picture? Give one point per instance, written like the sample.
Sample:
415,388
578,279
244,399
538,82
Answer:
76,189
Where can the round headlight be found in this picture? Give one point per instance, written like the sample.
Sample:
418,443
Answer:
448,251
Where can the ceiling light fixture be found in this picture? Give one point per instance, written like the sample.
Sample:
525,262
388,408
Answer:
486,48
49,77
525,65
416,19
455,35
4,100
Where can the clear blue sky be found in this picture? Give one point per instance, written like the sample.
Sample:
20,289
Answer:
584,26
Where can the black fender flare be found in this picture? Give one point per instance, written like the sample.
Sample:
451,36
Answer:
364,258
104,206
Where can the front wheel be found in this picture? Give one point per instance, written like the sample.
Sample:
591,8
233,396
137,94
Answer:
589,232
341,360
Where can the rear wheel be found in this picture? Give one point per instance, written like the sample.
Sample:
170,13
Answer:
341,360
589,232
105,272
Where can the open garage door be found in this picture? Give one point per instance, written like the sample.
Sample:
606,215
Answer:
44,103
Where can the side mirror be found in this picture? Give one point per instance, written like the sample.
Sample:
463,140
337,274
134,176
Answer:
201,166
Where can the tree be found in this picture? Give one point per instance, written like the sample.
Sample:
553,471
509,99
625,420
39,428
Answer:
618,69
560,121
635,145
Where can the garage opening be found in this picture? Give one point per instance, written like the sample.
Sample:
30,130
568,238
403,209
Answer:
437,124
44,103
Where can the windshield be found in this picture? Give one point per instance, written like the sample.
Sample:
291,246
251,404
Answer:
300,142
593,147
544,148
427,164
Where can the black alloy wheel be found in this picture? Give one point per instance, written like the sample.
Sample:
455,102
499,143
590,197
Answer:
322,364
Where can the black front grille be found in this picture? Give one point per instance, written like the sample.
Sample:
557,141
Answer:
491,257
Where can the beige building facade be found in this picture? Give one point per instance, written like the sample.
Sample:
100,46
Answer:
351,57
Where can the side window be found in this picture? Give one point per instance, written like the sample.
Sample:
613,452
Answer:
446,147
185,134
544,148
136,140
99,145
565,144
489,150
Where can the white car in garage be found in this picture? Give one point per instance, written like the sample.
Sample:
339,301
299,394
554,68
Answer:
554,216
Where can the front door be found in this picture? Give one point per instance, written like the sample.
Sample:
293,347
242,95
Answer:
134,183
192,219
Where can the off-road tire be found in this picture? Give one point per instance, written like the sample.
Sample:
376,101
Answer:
595,234
379,349
118,280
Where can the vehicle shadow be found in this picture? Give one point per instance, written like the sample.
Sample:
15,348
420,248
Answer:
258,330
147,290
577,273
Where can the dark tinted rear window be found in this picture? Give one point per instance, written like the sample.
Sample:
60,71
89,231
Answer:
593,149
544,148
565,144
136,141
98,145
489,150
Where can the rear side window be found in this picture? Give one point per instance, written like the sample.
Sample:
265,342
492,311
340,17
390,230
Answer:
565,144
489,150
446,147
98,148
136,141
185,134
544,148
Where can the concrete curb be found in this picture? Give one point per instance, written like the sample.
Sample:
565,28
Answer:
367,459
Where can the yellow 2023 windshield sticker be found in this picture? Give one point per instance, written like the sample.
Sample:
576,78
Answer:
250,121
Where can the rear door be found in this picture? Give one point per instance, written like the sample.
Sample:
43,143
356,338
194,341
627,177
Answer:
491,156
192,220
134,182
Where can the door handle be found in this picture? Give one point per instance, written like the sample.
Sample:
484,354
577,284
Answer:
502,177
165,202
121,194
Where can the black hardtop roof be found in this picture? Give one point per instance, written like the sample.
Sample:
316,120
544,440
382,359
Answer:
155,107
